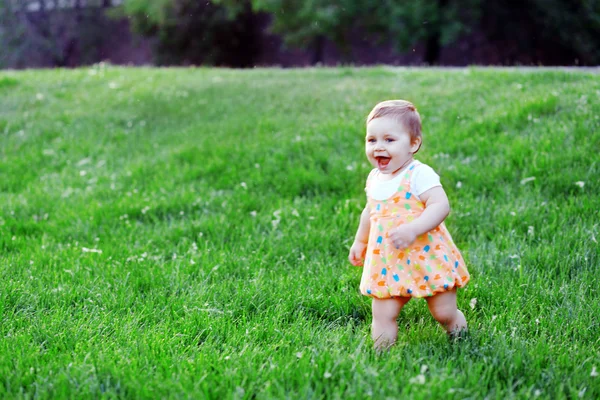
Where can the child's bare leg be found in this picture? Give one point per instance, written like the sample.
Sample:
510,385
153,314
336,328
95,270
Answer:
385,327
443,308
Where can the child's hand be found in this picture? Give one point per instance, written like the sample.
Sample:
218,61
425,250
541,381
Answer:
403,236
357,253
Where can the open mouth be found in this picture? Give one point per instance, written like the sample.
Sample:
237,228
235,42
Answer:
382,162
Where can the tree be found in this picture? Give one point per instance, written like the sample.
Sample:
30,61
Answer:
545,31
306,24
41,33
433,23
196,32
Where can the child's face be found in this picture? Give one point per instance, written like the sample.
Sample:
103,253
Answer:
388,145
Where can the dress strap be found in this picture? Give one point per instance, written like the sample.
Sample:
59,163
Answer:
407,176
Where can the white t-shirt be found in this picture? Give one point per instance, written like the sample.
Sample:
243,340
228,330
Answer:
422,179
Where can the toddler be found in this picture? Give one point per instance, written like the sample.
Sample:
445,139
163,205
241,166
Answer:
401,239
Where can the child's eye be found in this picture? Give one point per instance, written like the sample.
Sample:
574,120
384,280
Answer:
389,140
371,140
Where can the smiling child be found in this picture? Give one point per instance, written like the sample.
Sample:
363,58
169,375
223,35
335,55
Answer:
401,240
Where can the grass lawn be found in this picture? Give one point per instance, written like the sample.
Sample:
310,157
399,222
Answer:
183,233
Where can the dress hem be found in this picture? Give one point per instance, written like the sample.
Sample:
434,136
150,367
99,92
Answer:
461,285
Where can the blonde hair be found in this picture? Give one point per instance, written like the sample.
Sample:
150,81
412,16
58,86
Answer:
404,112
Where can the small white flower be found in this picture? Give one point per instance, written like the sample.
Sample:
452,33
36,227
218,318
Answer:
514,214
112,85
39,97
253,214
473,303
530,230
327,375
528,179
299,354
494,317
537,393
295,213
243,184
581,184
86,250
458,184
594,372
419,379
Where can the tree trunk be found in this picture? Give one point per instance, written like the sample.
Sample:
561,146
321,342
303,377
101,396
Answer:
318,50
433,45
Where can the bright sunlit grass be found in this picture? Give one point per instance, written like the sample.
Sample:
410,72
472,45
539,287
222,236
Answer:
183,233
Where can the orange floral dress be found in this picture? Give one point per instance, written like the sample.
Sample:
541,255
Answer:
432,264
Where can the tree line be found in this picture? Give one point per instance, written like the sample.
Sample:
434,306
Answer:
567,28
228,32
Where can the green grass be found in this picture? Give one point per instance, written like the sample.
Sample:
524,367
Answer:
219,206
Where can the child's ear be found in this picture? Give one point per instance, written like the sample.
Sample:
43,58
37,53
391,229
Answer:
415,145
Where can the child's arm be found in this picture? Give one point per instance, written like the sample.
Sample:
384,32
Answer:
436,210
357,251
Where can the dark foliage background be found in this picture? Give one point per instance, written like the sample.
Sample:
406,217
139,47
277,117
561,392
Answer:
248,33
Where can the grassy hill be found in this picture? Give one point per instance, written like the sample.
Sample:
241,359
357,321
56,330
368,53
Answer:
184,233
